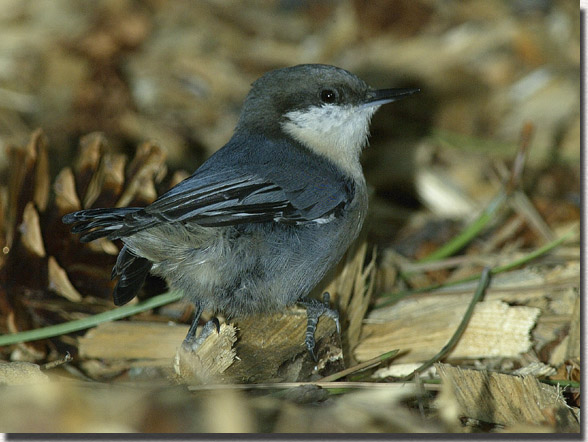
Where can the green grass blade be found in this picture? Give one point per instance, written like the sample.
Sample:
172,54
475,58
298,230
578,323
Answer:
91,321
470,232
393,297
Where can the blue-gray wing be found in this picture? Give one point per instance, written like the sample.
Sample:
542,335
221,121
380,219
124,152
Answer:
237,185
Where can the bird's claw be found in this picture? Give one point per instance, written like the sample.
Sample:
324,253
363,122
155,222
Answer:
314,310
192,342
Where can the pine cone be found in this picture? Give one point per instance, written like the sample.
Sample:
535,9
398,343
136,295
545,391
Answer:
46,275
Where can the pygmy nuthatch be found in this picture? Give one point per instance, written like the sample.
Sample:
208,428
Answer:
258,225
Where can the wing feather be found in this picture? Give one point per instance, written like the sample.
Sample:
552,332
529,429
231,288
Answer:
239,185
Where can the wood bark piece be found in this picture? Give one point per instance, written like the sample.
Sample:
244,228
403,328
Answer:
420,329
351,290
504,399
207,363
269,348
21,373
416,322
132,340
575,334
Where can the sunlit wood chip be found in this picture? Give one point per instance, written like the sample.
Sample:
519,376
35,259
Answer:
132,340
537,369
443,196
504,399
420,329
352,288
208,361
21,373
400,370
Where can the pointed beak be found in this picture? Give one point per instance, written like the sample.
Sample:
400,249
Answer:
383,96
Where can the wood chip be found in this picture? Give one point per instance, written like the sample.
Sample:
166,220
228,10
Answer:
207,363
504,399
537,369
21,373
132,340
442,195
269,347
420,329
400,371
351,291
575,334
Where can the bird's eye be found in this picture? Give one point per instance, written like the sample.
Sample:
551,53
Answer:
328,96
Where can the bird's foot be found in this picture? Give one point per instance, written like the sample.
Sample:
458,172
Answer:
192,342
314,310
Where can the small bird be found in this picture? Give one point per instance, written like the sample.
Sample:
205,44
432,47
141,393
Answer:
257,226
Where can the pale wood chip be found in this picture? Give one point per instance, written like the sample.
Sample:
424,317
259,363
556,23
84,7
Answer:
21,373
132,340
504,399
420,329
209,361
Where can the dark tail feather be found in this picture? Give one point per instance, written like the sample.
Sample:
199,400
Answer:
98,223
132,271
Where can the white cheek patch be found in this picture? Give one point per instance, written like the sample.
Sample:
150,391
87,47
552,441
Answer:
336,132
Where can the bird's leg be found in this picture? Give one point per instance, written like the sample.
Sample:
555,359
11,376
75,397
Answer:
314,310
191,342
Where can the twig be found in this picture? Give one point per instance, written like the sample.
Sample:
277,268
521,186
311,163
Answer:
287,385
91,321
521,204
483,284
367,364
49,365
517,168
446,263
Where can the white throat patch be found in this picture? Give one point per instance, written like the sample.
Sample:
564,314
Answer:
338,133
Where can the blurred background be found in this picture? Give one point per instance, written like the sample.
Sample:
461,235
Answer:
177,72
